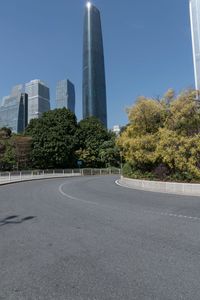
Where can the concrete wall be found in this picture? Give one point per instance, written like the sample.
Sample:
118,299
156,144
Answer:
192,189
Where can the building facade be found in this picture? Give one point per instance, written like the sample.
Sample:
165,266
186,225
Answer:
38,98
94,85
65,95
116,129
14,111
195,31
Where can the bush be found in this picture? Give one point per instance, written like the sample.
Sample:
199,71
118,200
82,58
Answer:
127,169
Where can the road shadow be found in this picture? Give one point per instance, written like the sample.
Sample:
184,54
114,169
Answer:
14,219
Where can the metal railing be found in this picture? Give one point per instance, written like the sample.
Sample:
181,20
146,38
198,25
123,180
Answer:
15,176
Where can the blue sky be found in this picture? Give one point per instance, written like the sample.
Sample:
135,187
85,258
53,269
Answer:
147,47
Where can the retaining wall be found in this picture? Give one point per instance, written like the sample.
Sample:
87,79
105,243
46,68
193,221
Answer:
191,189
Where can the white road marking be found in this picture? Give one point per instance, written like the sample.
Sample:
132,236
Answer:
162,213
99,204
118,183
180,216
72,197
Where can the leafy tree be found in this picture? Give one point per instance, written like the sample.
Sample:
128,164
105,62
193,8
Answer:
109,153
180,153
184,116
5,132
7,160
163,137
168,97
139,150
7,154
54,140
95,143
146,116
22,151
138,141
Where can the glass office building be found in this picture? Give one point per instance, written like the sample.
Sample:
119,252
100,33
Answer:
14,111
195,30
94,86
38,98
65,95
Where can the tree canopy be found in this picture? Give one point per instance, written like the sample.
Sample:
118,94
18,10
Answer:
164,136
54,139
14,150
96,145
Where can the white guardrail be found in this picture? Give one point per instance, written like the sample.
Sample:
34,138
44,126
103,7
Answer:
15,176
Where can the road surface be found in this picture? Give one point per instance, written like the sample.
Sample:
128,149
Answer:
88,239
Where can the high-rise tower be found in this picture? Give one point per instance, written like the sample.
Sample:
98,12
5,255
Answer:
14,110
38,98
195,30
65,95
94,86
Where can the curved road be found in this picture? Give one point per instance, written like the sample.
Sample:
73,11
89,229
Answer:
88,239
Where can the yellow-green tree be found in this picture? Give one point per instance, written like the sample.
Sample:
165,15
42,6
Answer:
138,142
184,114
164,133
146,116
180,153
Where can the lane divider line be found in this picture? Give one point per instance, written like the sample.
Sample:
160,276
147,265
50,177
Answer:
180,216
162,213
72,197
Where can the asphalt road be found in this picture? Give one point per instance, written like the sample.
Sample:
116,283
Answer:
88,239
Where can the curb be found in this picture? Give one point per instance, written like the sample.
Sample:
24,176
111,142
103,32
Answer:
187,189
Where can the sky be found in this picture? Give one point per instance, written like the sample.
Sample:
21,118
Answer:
147,48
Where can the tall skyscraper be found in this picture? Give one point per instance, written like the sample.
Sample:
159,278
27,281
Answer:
195,30
38,98
94,86
65,95
14,110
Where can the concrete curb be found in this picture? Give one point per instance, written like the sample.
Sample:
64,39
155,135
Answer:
190,189
38,177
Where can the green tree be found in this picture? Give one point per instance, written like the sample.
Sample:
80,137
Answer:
109,153
94,140
8,161
53,139
7,153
